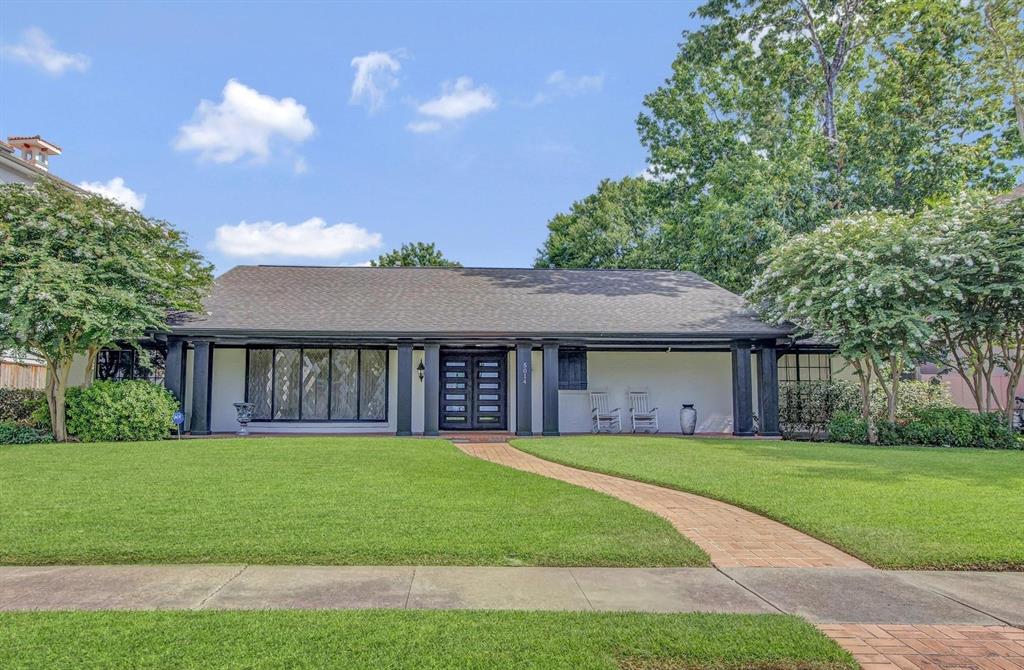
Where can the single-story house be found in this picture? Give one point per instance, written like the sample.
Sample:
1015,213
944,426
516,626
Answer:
422,350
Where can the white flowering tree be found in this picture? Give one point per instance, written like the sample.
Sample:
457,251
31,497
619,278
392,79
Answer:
79,272
863,283
977,246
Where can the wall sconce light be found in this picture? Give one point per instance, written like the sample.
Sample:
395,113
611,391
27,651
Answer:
420,369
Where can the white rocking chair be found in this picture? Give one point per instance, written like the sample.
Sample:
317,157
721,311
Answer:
606,420
644,417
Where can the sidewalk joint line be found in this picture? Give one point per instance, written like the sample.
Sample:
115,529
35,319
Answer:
572,574
218,589
749,590
408,594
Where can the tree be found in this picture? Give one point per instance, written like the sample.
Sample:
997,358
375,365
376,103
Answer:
79,272
977,250
781,115
1002,56
415,255
618,226
864,283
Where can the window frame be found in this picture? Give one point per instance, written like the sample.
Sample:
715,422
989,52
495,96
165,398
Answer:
566,358
797,367
134,368
330,384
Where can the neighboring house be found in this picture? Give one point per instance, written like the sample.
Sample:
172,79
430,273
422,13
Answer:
422,350
24,160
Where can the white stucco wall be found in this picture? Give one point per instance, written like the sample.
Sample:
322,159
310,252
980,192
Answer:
671,378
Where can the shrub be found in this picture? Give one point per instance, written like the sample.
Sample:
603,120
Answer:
931,427
18,405
14,433
110,411
806,409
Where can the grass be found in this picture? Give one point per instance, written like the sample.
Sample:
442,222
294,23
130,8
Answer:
307,500
407,639
924,508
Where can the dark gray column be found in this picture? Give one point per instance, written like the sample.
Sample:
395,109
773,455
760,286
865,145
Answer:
174,369
768,389
202,380
550,389
524,389
742,394
403,421
431,387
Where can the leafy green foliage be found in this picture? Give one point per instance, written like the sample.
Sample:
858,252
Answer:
781,115
78,272
931,427
12,432
17,405
619,226
415,255
109,411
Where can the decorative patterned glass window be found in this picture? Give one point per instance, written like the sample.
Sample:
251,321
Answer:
805,367
572,369
122,364
317,384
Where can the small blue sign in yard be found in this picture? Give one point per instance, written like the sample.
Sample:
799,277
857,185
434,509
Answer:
178,418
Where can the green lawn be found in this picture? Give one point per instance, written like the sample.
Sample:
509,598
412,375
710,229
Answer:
308,500
414,640
892,507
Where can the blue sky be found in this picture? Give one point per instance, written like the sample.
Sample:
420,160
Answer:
471,124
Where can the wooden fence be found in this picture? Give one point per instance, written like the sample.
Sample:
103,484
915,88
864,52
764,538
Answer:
22,375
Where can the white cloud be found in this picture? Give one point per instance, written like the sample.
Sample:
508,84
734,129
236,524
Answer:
559,84
375,76
312,238
36,49
116,190
243,124
458,100
424,126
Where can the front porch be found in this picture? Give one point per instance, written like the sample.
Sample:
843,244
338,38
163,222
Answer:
410,387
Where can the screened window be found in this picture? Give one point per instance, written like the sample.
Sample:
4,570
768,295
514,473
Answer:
317,384
572,369
121,364
805,367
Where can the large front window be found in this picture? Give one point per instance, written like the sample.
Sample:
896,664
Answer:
318,384
805,368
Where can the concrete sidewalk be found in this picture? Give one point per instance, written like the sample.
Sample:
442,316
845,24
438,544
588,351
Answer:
822,595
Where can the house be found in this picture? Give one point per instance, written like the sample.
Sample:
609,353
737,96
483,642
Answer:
422,350
24,160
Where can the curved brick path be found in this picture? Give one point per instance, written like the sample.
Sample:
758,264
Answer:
731,536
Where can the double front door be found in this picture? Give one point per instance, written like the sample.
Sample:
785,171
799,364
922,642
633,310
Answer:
474,391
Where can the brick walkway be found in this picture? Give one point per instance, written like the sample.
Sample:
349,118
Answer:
731,536
904,647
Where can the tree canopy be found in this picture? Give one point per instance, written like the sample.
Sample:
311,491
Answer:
781,115
415,255
79,272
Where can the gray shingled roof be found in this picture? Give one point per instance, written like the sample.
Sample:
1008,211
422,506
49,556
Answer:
472,302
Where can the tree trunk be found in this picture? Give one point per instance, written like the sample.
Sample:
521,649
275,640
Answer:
894,389
864,377
90,366
56,384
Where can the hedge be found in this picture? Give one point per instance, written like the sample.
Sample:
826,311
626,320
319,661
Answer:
932,427
17,405
109,411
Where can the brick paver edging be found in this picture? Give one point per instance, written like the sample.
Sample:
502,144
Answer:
731,536
905,647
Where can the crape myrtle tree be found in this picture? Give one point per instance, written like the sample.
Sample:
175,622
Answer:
863,283
415,255
79,272
977,248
